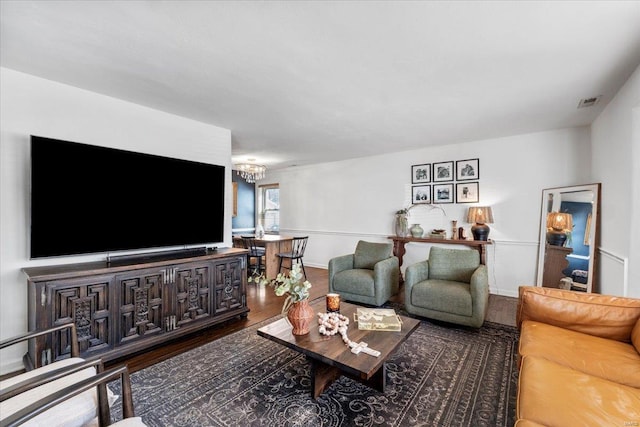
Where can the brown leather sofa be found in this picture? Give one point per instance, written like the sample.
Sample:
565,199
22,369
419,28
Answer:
579,358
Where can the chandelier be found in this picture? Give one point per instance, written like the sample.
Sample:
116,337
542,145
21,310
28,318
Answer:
251,172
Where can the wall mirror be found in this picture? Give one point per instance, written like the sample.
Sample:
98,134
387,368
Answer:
569,237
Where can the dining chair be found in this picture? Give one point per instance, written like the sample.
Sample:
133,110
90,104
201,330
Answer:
298,246
255,252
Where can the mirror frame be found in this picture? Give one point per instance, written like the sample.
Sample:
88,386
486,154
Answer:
594,231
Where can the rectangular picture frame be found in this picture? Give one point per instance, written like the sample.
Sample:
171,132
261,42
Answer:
467,192
420,194
468,170
443,193
442,172
421,173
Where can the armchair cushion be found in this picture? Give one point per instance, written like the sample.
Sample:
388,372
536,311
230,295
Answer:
357,281
443,295
452,264
367,254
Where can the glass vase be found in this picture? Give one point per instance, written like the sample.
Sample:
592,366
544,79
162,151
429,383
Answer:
401,225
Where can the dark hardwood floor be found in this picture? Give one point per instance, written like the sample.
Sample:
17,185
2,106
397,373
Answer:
264,304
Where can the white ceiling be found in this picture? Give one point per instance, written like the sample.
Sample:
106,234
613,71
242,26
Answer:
307,82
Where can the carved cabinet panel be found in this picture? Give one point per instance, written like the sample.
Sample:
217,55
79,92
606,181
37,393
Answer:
193,297
141,305
86,302
230,285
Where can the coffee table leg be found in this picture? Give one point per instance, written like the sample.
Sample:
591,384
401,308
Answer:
379,380
322,375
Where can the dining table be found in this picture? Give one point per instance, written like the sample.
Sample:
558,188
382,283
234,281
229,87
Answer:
273,245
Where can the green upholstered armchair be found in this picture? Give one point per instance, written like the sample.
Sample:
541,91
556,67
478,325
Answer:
368,276
451,286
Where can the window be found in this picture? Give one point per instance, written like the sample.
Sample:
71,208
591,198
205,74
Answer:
270,208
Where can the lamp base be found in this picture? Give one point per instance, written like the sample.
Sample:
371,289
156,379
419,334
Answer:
556,238
480,232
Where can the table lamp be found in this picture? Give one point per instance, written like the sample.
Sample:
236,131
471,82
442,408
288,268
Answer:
558,224
479,216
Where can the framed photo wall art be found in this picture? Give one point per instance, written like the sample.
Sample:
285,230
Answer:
468,170
420,194
467,192
443,193
421,173
442,171
448,182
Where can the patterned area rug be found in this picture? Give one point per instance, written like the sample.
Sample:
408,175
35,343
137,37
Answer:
441,376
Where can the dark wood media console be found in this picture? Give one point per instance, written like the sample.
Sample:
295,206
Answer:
127,308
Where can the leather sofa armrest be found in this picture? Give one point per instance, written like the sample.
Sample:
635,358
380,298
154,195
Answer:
338,264
594,314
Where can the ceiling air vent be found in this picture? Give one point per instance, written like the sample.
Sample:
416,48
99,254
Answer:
589,102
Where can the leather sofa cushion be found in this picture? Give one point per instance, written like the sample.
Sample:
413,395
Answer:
443,295
635,336
554,395
608,359
527,423
600,315
357,281
367,254
452,264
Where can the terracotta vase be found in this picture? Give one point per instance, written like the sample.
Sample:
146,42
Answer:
300,316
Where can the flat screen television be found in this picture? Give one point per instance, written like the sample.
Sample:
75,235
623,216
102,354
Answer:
90,199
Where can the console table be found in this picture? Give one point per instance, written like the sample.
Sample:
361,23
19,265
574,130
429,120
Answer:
399,249
127,308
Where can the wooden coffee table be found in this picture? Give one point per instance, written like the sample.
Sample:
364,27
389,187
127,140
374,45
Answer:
330,357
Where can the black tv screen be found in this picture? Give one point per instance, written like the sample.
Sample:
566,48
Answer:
89,199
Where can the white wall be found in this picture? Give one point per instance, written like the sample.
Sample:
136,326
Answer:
338,203
615,163
31,105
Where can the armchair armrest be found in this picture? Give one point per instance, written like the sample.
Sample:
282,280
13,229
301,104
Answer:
338,264
599,315
479,288
415,273
479,285
99,380
75,350
47,376
387,273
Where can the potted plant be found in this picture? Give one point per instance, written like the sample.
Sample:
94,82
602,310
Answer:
296,304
